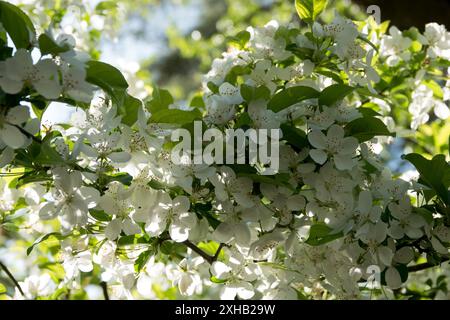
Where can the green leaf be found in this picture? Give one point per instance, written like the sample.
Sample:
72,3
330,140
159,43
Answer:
243,120
48,46
57,235
105,5
39,107
48,155
334,93
132,240
5,52
129,109
240,39
309,10
10,227
29,177
320,234
122,177
112,81
433,173
213,87
2,288
290,96
211,248
300,295
217,280
205,211
435,87
330,74
425,214
169,247
17,24
250,93
175,116
58,293
100,215
141,261
197,101
294,136
235,72
161,99
154,184
280,179
368,112
107,77
366,128
370,43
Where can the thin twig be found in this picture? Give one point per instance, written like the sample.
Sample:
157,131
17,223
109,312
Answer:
199,251
203,254
105,290
425,265
216,255
26,133
16,283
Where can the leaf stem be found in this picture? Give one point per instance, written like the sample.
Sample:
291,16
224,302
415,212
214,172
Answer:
10,275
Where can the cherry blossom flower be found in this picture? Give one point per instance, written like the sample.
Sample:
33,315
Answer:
334,145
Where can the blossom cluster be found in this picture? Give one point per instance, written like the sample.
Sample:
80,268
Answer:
106,188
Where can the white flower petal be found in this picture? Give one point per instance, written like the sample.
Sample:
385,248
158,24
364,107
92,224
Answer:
220,270
317,139
393,278
18,115
404,255
113,229
386,255
335,132
178,233
12,136
223,233
319,156
441,110
296,202
119,157
349,145
343,162
129,227
48,211
244,290
365,202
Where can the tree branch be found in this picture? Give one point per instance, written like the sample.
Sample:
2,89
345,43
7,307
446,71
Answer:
26,133
203,254
216,255
16,283
105,290
425,265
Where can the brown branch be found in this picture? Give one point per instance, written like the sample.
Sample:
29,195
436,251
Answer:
199,251
105,290
203,254
16,283
216,255
425,265
27,134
